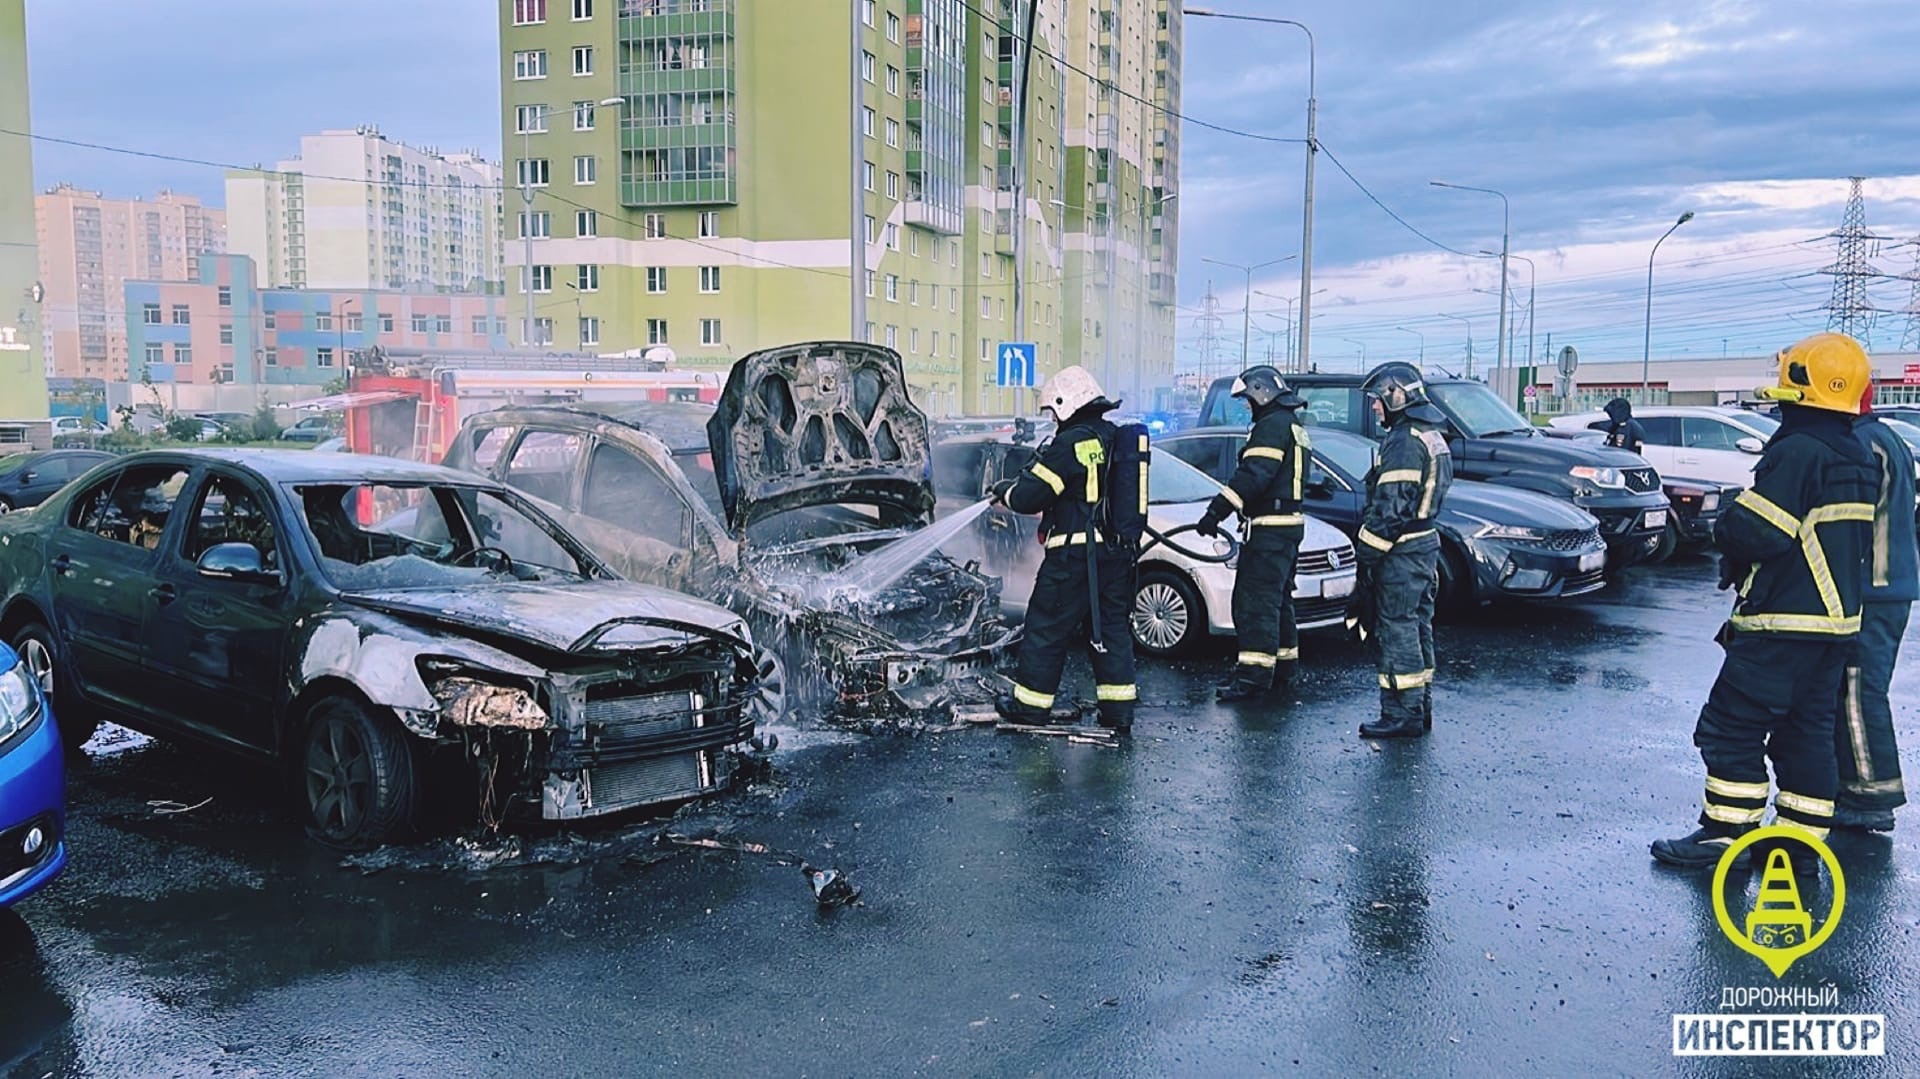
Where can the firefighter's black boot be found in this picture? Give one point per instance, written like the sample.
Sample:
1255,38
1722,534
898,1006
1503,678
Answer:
1854,819
1426,709
1014,712
1394,727
1117,716
1240,690
1702,848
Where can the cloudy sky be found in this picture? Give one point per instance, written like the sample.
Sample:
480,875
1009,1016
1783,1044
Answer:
1602,122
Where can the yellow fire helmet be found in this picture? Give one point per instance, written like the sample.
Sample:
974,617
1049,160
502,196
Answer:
1826,370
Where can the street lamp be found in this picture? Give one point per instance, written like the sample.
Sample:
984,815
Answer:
1289,301
1313,148
1423,344
1646,343
1363,351
1246,309
1532,281
1506,219
1469,324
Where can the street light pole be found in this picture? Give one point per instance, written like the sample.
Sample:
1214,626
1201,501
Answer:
1646,343
1289,301
1363,350
1533,281
1506,221
1423,344
857,203
1313,149
1246,309
1469,323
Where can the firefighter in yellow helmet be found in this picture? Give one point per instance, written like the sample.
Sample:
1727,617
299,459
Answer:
1086,579
1795,545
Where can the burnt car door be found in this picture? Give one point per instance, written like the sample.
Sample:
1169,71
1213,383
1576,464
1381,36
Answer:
215,627
102,566
632,515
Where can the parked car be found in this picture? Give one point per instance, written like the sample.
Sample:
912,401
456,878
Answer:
1699,442
1696,504
1179,601
1495,542
266,602
26,479
332,445
32,785
309,429
814,456
1493,443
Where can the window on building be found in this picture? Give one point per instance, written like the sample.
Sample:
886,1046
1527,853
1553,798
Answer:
893,337
586,223
226,296
386,323
270,356
356,322
533,171
443,324
986,134
893,28
182,315
226,334
269,319
709,279
953,299
543,330
183,355
656,331
529,119
479,325
893,80
710,331
323,357
583,59
866,66
150,312
866,175
873,229
873,334
155,354
893,288
953,346
893,236
420,324
582,10
893,183
583,115
913,341
866,121
656,227
537,224
986,307
913,293
529,12
933,340
893,132
589,330
866,12
656,279
542,279
586,169
709,224
586,278
530,64
870,278
500,326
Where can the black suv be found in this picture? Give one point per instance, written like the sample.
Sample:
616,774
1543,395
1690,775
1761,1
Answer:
1492,442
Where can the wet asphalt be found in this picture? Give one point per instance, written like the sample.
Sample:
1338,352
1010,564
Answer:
1242,890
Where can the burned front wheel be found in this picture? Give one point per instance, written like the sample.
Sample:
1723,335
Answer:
768,704
357,775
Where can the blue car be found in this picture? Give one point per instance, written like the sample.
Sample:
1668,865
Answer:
32,813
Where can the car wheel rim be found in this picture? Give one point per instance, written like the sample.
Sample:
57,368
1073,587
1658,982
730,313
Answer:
769,700
1160,615
339,778
39,660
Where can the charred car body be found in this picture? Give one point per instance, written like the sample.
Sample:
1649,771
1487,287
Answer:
369,624
813,457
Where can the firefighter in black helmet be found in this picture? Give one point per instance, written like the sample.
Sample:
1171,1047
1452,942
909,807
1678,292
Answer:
1399,550
1265,490
1796,544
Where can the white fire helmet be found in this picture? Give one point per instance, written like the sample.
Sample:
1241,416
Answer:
1068,391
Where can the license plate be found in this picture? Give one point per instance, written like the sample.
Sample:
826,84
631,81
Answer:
1336,587
1592,561
1656,518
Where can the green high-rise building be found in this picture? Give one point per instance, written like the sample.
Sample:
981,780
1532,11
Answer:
693,177
23,370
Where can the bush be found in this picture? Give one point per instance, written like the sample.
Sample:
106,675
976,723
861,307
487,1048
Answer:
264,427
184,428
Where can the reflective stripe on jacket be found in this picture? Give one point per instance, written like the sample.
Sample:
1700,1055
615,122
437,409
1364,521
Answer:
1405,490
1893,569
1270,482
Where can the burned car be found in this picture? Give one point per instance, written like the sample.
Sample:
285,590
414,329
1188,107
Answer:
813,458
388,633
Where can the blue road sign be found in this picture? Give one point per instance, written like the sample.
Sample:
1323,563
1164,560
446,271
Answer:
1016,363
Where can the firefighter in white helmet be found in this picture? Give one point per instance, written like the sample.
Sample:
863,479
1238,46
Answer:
1084,591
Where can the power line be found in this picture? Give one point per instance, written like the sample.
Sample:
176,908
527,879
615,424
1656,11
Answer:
1375,199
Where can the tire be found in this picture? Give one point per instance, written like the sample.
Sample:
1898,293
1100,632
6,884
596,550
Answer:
5,505
1168,617
1458,593
40,651
769,701
357,776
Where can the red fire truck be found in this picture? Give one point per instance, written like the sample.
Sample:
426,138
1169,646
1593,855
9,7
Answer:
410,404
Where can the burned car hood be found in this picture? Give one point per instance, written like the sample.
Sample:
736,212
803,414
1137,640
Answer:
564,617
819,423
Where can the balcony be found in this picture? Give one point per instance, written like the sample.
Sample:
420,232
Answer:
636,82
675,18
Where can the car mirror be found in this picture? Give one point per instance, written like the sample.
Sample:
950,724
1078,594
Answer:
236,562
1750,444
1319,483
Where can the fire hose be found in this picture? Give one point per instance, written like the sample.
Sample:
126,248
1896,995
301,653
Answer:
1158,538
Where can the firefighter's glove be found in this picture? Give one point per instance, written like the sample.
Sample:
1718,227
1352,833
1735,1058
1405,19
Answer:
1208,526
1361,613
1731,572
998,492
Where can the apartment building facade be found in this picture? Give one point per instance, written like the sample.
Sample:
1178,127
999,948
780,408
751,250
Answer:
23,368
676,178
223,326
355,209
90,247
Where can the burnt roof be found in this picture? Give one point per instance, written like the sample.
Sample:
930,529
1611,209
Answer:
306,466
681,425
